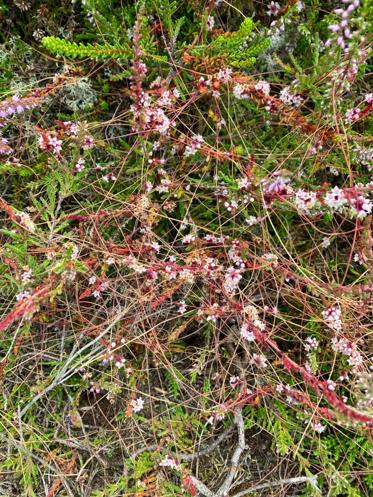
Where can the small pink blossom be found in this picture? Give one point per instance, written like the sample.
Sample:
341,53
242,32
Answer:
264,87
169,462
353,115
259,360
88,142
246,333
274,9
332,317
137,404
305,201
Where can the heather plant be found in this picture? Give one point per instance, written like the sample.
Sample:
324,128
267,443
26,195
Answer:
186,261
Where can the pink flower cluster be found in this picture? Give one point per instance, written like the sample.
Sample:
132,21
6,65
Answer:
169,462
17,105
332,317
311,344
49,141
5,149
149,113
305,200
349,349
336,200
274,9
353,115
111,354
290,98
12,106
194,144
342,29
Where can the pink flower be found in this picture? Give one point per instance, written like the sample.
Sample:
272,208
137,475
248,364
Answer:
264,87
361,206
332,317
311,343
79,166
88,142
273,9
137,404
232,279
246,333
50,142
169,462
353,115
259,360
210,23
335,199
305,200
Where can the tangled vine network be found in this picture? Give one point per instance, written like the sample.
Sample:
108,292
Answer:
186,248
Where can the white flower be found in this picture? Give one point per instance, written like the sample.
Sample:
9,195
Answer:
259,360
210,23
290,98
300,6
305,200
317,426
358,258
273,9
325,242
233,381
23,295
263,86
27,222
224,75
155,246
137,404
244,183
353,115
311,343
335,199
188,239
238,91
246,333
169,462
182,307
251,220
26,276
280,388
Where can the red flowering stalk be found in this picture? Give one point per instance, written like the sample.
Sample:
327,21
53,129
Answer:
16,105
97,216
26,306
96,287
166,295
135,248
253,397
320,386
289,116
8,209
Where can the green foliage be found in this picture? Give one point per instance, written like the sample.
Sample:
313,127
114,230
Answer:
238,48
74,50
